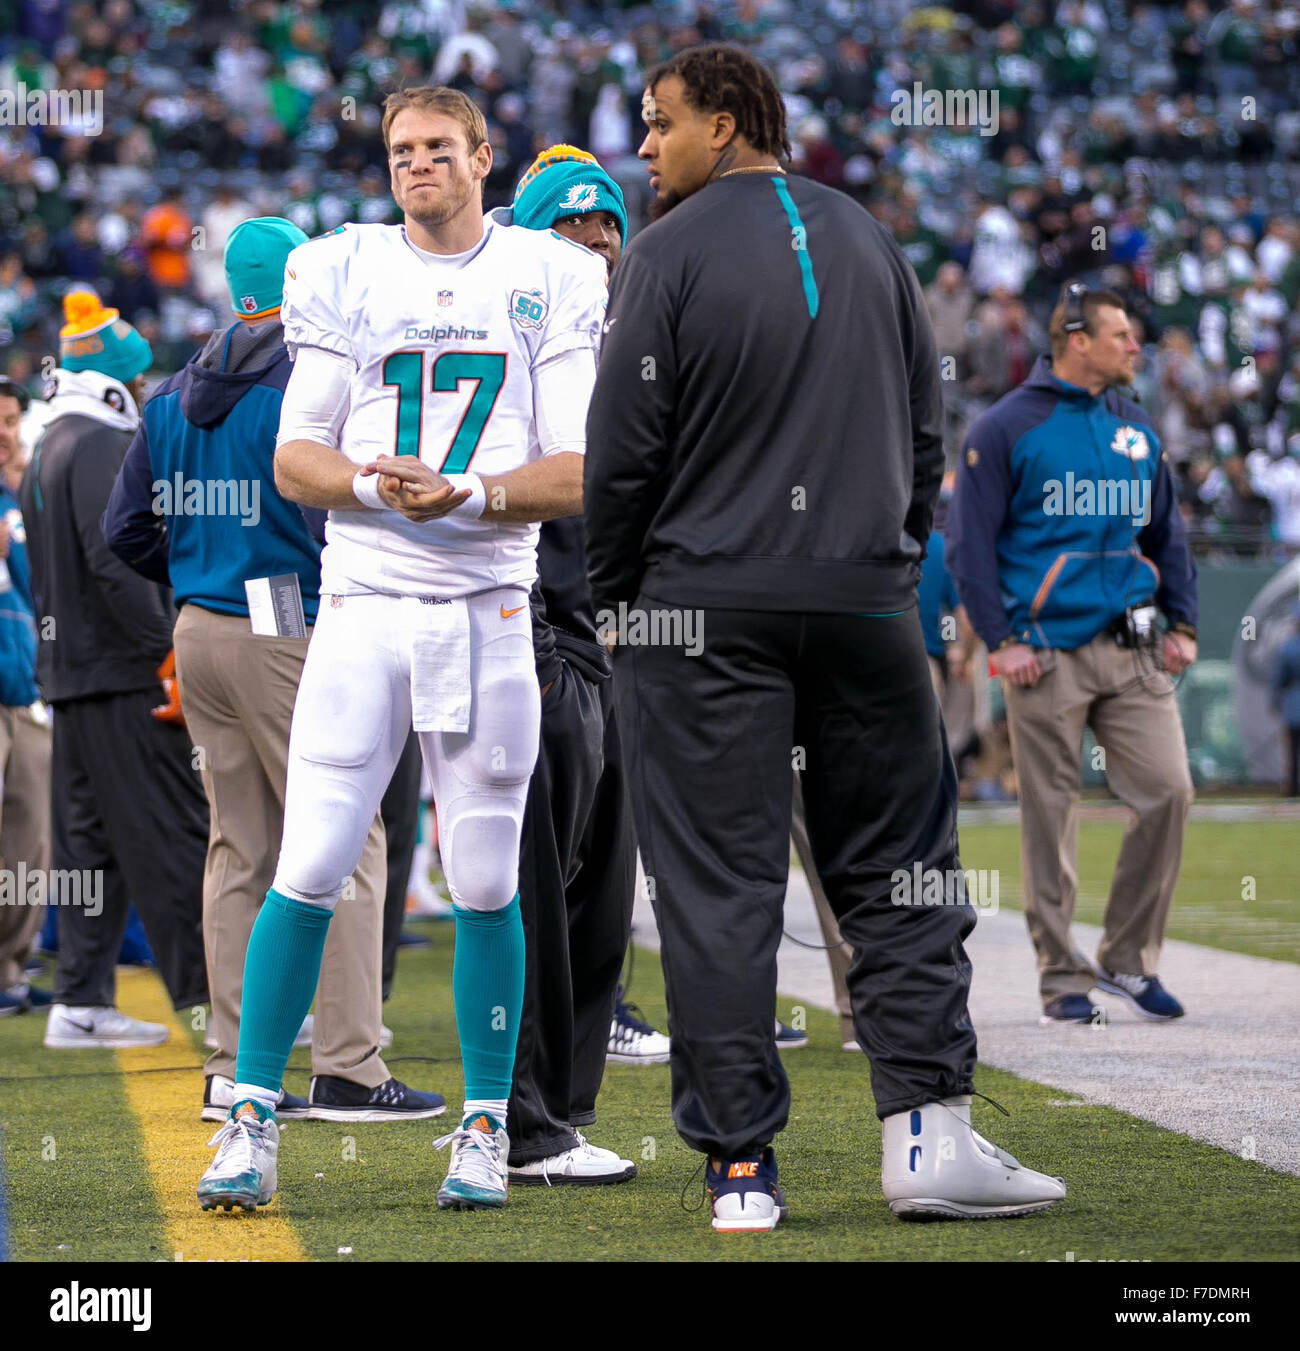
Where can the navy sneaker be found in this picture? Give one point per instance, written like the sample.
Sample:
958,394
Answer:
787,1039
1072,1008
1145,994
22,997
219,1098
745,1194
333,1099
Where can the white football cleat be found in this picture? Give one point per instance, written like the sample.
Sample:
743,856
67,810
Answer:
477,1176
244,1172
585,1165
72,1026
935,1165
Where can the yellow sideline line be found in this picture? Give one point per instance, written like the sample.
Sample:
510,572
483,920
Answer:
166,1109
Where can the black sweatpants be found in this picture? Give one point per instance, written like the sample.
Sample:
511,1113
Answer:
127,802
577,870
400,810
710,743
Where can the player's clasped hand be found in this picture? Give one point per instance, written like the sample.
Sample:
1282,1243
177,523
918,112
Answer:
1017,663
408,485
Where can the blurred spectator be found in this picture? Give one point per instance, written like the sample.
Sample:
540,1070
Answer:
1005,346
166,233
999,256
1275,476
223,213
80,256
17,298
132,289
951,304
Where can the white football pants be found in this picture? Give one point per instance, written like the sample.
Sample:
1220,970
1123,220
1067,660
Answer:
352,717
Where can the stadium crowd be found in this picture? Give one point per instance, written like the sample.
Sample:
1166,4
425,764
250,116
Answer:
1152,148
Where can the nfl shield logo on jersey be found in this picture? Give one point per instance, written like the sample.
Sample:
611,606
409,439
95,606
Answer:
444,297
249,304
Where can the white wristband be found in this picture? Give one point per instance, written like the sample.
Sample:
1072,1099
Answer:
365,488
476,503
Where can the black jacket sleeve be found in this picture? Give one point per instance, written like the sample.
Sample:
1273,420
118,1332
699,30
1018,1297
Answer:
132,529
629,431
925,398
138,604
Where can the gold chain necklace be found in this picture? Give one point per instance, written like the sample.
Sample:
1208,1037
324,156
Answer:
754,169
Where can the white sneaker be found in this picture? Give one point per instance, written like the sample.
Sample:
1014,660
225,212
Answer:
302,1039
935,1165
72,1026
634,1042
243,1173
585,1165
476,1178
385,1037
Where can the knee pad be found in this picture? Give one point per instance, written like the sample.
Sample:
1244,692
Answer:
325,831
481,857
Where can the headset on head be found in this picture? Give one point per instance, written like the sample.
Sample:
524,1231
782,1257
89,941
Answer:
1073,293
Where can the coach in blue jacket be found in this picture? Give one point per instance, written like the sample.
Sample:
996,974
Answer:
195,505
1066,543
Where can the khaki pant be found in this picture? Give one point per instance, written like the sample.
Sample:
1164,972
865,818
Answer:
1131,708
237,694
838,952
24,829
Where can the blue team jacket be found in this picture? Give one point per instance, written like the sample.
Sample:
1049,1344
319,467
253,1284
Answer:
17,614
200,466
1063,513
934,595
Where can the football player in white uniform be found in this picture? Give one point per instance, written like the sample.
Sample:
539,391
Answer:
437,408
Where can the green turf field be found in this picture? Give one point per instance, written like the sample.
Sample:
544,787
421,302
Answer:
1212,904
1136,1192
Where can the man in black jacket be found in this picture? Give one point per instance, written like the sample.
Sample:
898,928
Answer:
764,457
129,819
577,856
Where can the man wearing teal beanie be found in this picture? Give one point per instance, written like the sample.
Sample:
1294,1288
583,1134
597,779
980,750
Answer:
239,664
577,862
567,191
255,256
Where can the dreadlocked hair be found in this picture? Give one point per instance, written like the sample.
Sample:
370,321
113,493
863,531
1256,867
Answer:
722,78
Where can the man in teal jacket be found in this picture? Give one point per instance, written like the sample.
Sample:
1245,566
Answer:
1066,545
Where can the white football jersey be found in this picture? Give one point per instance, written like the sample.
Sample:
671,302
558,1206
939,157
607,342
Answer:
444,351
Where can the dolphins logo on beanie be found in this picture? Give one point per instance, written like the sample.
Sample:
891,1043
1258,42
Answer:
565,181
97,339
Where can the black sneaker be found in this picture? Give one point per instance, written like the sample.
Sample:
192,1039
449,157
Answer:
334,1099
219,1098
